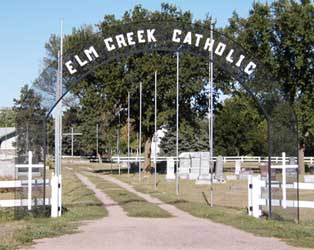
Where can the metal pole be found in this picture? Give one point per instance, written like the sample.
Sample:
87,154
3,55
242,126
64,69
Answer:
72,141
211,118
155,137
140,136
128,134
60,121
177,128
97,140
118,143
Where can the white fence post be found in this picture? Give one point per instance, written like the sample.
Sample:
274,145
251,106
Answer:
54,196
284,181
60,195
250,195
255,195
29,198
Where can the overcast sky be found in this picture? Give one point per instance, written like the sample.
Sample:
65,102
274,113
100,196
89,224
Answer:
27,24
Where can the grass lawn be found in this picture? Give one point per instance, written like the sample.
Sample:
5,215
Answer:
194,200
79,203
132,204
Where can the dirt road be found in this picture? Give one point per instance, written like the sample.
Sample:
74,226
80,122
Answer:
183,231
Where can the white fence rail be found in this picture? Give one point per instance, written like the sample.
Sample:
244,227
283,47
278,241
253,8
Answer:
252,159
29,183
256,184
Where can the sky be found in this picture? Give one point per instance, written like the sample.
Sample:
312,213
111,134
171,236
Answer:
27,25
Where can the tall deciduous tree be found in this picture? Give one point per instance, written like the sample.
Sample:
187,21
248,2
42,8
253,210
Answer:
282,35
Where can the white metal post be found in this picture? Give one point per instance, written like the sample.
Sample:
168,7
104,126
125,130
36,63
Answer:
140,136
284,181
60,121
30,161
211,119
97,140
177,128
155,149
128,133
72,141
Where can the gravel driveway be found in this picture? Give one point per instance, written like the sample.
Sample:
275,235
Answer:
183,231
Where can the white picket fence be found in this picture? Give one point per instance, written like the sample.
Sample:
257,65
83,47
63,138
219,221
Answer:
250,159
29,183
256,186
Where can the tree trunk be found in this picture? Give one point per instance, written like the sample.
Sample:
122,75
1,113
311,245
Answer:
147,155
301,159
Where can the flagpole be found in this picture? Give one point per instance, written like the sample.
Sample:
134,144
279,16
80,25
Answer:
211,119
140,136
155,137
128,134
177,128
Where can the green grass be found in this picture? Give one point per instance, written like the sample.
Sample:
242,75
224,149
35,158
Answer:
79,202
132,204
193,201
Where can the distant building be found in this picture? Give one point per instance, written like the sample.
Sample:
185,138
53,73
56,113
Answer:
7,138
7,152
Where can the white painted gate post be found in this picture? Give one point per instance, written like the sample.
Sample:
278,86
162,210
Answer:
255,196
54,196
59,195
250,197
30,161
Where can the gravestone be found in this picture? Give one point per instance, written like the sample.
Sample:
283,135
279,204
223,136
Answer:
309,178
185,163
264,172
170,169
237,167
292,172
194,165
219,175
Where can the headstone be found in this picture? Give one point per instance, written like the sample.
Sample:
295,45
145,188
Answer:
309,178
292,172
219,175
244,175
170,169
292,161
237,167
264,172
185,163
231,177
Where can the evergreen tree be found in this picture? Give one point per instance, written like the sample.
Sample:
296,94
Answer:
29,124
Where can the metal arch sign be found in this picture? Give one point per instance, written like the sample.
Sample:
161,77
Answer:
152,36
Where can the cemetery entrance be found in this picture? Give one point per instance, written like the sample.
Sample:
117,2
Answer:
124,46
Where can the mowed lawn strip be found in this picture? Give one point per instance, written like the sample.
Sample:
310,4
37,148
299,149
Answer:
132,204
80,204
192,201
